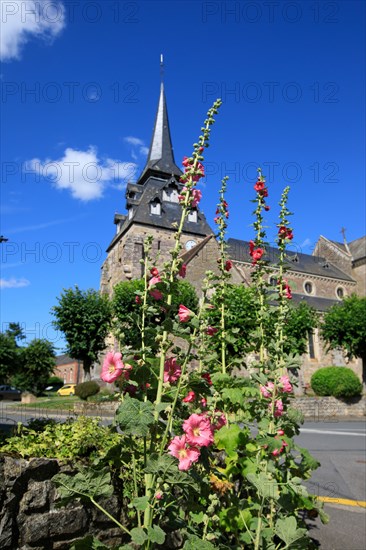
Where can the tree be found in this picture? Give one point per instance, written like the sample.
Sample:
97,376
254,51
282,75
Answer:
38,363
10,352
126,311
84,317
300,322
344,325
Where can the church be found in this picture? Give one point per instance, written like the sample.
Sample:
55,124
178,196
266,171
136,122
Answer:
334,270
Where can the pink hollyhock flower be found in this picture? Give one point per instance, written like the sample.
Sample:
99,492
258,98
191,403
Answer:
228,265
198,430
197,196
186,455
278,408
183,271
276,452
187,161
266,390
112,368
287,289
204,402
156,294
172,370
137,299
286,384
154,281
154,272
158,495
191,396
207,377
211,331
184,314
280,432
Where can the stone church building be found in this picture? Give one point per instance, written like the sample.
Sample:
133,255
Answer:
333,271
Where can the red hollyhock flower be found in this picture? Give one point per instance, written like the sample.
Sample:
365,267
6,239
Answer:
184,314
228,265
207,377
197,196
211,331
259,186
191,396
187,161
137,299
183,271
257,254
267,208
154,272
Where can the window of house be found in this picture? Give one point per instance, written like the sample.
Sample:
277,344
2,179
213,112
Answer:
170,194
192,216
155,207
340,292
311,345
309,287
130,213
273,281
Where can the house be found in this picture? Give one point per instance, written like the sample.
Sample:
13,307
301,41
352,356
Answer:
68,369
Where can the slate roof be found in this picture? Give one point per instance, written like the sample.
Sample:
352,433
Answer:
170,212
161,156
64,360
320,304
358,248
297,261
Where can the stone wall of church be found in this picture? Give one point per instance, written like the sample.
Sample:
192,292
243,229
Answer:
359,274
123,261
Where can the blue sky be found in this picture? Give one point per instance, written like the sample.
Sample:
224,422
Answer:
79,91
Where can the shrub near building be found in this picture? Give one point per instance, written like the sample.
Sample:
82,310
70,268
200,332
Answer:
87,389
336,381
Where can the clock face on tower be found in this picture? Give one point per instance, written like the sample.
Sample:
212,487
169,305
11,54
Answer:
190,244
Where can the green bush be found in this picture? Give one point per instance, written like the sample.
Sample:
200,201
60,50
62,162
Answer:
336,381
80,438
87,389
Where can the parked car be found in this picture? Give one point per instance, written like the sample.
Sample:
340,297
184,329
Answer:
9,392
67,389
54,387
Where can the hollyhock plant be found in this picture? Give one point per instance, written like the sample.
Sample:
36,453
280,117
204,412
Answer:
228,265
113,367
172,370
198,430
278,408
154,281
154,272
186,454
197,196
211,330
184,314
156,294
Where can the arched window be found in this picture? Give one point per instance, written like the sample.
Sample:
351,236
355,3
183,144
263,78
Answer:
340,292
309,287
170,193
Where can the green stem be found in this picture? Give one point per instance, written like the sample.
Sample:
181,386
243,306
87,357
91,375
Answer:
109,516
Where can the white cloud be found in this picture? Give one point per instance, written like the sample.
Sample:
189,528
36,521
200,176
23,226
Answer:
306,243
21,20
83,173
14,283
138,146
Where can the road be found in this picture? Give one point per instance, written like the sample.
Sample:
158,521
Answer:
340,447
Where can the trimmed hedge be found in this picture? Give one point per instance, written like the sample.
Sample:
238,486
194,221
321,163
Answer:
87,389
336,381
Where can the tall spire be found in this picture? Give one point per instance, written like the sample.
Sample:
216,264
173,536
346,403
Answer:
161,156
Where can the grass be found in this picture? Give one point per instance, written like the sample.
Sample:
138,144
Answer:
51,402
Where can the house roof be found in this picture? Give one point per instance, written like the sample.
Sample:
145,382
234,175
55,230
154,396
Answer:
320,304
64,360
358,248
296,261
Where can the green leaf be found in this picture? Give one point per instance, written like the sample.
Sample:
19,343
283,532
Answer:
266,487
134,417
287,530
233,395
193,543
230,438
87,482
88,543
140,503
156,534
138,535
166,467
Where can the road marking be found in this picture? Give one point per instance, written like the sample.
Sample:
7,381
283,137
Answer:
343,501
329,432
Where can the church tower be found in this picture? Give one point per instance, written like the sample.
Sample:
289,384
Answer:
152,208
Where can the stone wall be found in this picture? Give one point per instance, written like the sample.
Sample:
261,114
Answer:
29,517
329,408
